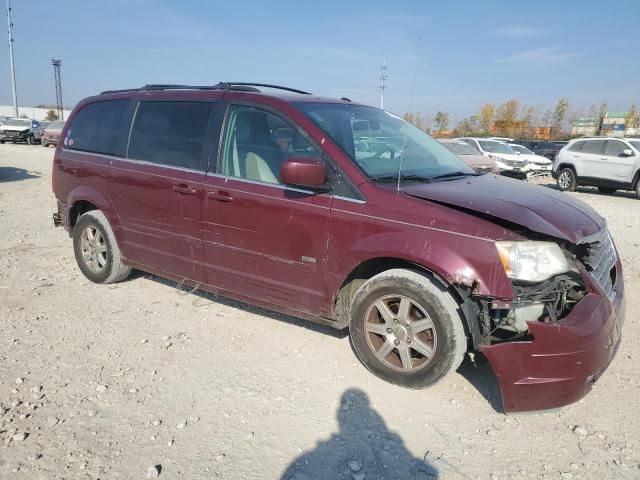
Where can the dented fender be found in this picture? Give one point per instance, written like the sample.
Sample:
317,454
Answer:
459,260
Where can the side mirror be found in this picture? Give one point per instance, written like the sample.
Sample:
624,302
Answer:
306,172
627,152
517,152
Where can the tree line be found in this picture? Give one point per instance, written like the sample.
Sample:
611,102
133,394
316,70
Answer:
513,119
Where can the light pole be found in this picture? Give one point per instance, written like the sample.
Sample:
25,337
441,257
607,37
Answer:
383,77
58,81
13,68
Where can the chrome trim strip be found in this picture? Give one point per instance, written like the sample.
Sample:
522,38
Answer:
347,199
130,160
257,182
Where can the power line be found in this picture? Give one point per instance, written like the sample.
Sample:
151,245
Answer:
58,81
13,68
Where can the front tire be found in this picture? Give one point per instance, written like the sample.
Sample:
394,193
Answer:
96,250
406,329
30,140
567,180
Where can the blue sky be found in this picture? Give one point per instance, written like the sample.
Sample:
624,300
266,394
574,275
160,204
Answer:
449,55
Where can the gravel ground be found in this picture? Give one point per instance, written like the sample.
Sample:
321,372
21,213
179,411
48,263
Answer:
140,379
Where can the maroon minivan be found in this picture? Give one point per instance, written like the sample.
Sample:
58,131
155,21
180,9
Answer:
347,215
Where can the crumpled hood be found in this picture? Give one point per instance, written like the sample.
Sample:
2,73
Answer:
536,158
10,128
537,208
478,160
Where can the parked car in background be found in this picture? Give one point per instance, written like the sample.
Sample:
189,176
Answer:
544,148
51,134
607,163
470,155
421,257
539,165
509,163
20,130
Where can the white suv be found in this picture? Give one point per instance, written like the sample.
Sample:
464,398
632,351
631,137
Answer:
607,163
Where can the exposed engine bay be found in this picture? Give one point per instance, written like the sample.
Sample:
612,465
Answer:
548,301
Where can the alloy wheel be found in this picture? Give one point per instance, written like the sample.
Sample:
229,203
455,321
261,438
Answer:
564,180
400,333
93,248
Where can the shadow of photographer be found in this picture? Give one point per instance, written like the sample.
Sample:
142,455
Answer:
362,448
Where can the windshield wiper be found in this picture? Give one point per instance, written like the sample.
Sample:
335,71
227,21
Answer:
455,174
394,178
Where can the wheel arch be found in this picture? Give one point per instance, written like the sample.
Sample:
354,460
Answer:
376,265
84,199
636,179
567,165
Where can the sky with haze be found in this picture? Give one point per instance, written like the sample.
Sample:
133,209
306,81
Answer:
445,55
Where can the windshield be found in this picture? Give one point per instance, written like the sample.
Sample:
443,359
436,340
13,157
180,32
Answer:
492,146
521,149
377,141
460,148
18,122
636,144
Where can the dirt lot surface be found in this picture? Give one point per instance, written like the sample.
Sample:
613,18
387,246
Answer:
108,381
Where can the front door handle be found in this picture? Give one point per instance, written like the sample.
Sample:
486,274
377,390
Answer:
184,189
220,196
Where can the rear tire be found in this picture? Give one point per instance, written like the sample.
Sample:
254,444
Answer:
607,190
407,329
567,180
96,250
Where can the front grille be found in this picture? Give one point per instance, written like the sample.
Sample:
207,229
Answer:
513,163
600,260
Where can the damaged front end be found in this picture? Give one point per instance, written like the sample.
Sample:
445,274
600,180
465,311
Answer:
551,341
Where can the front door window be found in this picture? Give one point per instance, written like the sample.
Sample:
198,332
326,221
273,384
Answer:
257,142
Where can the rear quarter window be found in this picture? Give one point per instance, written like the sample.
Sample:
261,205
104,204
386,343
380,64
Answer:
170,133
99,128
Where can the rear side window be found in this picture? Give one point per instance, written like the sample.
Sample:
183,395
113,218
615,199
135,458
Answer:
170,133
614,148
98,128
576,147
593,146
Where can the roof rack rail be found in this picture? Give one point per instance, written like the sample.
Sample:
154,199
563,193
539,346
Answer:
239,85
162,86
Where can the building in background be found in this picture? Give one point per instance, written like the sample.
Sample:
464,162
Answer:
613,124
34,113
584,126
520,129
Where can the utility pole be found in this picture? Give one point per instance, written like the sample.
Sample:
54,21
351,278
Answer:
383,77
13,68
56,74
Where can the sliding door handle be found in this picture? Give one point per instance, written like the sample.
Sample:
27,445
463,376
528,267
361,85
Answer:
184,189
220,196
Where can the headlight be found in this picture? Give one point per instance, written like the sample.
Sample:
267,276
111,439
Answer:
531,261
